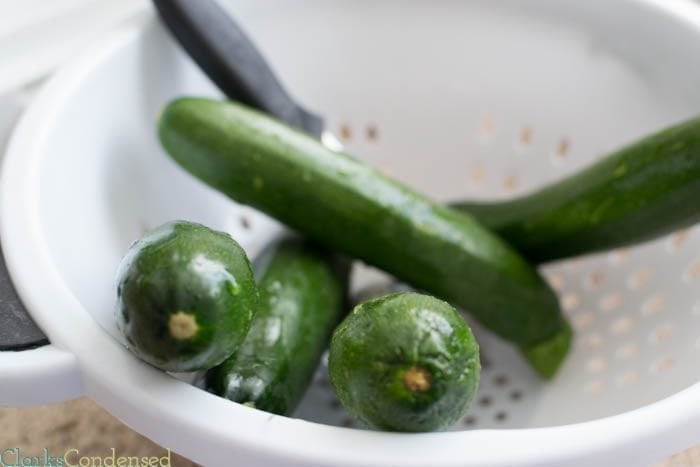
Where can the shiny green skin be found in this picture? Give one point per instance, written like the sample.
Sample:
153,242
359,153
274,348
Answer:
347,206
381,339
182,266
302,291
641,192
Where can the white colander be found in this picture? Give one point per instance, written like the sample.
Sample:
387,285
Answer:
461,99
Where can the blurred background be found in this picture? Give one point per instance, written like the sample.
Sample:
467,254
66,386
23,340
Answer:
35,37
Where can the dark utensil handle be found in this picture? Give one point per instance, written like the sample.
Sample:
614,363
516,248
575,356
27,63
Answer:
17,329
231,60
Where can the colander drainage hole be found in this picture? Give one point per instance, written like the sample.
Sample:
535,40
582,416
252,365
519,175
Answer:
662,365
510,183
592,342
584,321
487,127
469,420
619,256
345,131
640,278
611,302
694,271
563,147
348,423
335,404
678,239
485,401
574,265
661,334
627,352
621,326
500,380
595,279
628,378
596,365
476,173
372,132
560,152
594,387
653,305
557,282
570,301
526,134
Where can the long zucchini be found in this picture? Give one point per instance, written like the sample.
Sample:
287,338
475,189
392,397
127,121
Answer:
302,290
345,205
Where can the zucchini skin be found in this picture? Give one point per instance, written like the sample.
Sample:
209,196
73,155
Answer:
347,206
302,291
382,341
185,297
644,190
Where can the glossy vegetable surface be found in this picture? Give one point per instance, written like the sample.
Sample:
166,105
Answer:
405,362
302,292
186,297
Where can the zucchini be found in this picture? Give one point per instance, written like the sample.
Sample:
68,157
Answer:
347,206
302,291
185,297
405,362
642,191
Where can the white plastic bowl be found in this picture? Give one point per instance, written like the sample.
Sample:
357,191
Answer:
460,99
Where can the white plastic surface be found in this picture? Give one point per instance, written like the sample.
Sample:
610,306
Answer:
460,99
36,35
39,376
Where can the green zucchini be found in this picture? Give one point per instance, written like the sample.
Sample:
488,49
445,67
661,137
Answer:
405,362
644,190
185,297
302,291
347,206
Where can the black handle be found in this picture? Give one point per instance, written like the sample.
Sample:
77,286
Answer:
231,60
17,329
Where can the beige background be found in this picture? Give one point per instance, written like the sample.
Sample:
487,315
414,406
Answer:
82,425
79,424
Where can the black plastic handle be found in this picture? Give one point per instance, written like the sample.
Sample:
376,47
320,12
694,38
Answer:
17,329
231,60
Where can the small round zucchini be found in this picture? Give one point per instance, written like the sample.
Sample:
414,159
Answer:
405,362
185,297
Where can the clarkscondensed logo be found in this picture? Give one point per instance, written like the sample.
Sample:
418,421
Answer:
15,457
